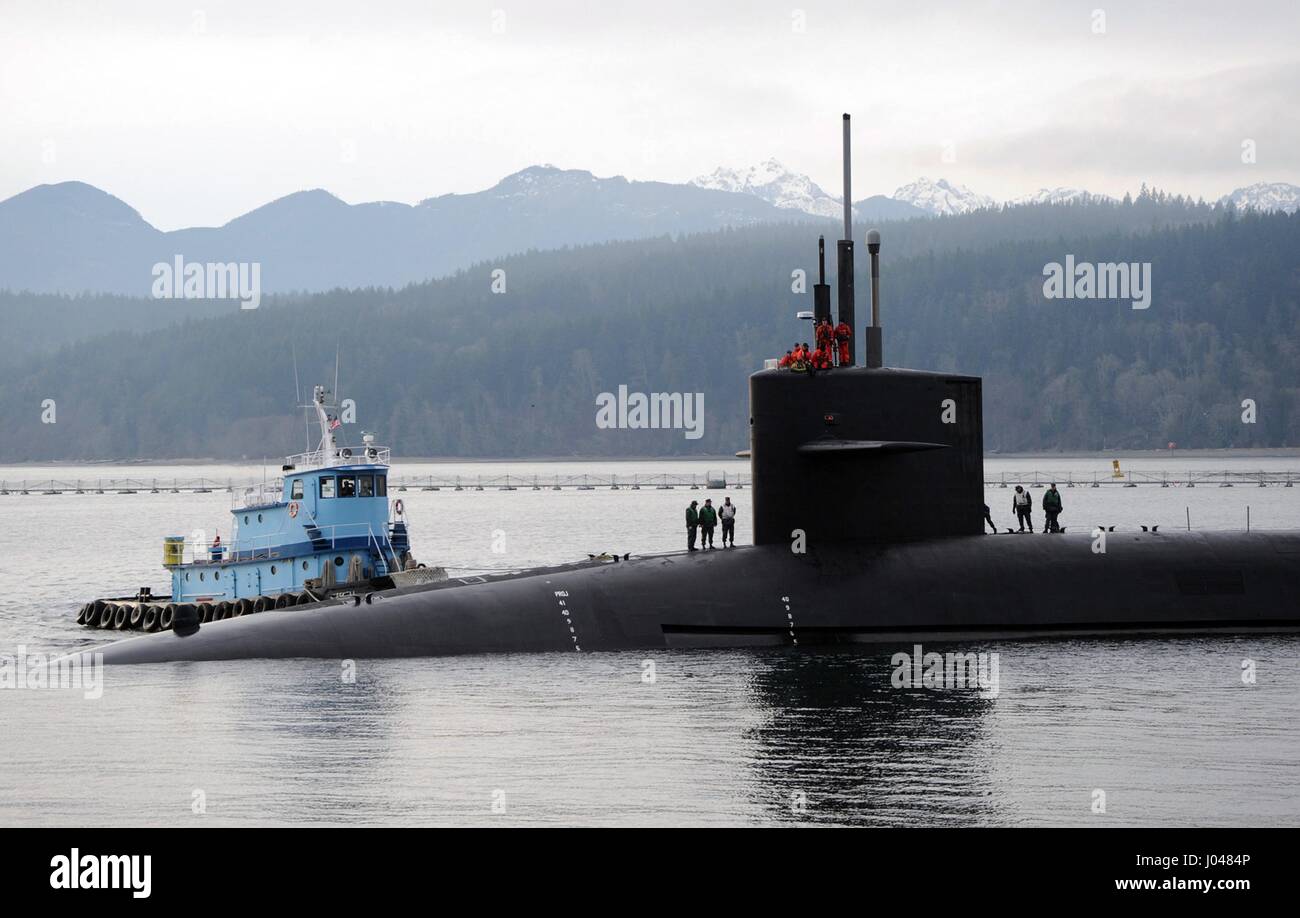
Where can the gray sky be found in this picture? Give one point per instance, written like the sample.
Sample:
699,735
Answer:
197,112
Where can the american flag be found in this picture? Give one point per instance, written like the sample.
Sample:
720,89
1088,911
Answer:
335,423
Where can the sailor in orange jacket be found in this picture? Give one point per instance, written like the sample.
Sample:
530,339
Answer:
787,361
842,335
825,334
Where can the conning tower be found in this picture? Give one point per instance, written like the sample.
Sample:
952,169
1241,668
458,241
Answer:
869,452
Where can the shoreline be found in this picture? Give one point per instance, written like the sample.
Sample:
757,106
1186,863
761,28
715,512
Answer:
1281,452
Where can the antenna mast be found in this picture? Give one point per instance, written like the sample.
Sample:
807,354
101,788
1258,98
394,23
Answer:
845,252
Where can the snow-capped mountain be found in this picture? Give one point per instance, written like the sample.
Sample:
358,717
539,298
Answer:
942,197
1281,196
1058,196
775,184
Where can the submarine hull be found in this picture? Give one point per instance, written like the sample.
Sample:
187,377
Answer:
1014,586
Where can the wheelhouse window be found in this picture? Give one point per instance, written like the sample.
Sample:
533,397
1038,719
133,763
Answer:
365,485
295,490
327,486
381,486
347,486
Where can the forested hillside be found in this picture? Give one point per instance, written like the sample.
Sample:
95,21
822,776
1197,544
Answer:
43,322
450,368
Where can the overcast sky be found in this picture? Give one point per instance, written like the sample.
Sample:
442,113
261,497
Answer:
196,112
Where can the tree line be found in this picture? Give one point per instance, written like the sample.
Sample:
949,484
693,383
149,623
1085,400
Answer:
463,366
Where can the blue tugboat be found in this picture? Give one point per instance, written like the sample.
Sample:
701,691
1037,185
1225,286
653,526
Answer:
325,528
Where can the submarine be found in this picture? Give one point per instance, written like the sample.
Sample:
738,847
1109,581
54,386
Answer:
868,528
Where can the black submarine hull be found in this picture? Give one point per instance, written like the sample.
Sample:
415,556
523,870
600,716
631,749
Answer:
1006,586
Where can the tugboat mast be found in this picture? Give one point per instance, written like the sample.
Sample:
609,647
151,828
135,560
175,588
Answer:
328,447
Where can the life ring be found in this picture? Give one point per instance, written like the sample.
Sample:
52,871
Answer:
293,509
398,506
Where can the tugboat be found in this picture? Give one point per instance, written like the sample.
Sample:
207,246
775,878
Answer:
323,530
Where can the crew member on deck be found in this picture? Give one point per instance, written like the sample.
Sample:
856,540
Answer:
727,513
708,519
825,335
988,518
1052,509
1023,504
787,361
842,335
216,550
692,523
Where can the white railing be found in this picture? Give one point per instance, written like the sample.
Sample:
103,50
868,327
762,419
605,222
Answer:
260,495
343,455
271,545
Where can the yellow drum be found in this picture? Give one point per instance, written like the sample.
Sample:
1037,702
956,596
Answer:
173,550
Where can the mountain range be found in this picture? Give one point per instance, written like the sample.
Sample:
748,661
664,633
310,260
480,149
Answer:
73,238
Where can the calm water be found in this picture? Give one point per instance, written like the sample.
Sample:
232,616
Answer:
1165,727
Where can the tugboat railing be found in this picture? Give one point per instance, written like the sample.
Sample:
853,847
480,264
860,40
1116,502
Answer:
344,455
260,495
264,547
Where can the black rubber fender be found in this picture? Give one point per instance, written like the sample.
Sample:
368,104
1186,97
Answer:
263,603
284,600
96,610
167,616
242,607
305,599
136,617
106,615
82,613
186,619
121,617
150,622
205,612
